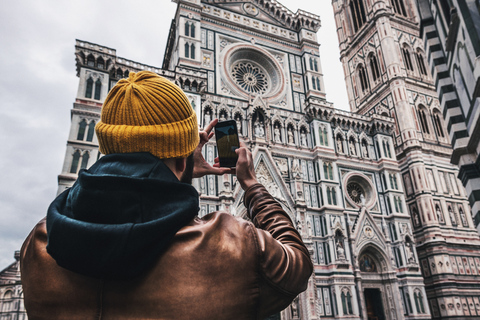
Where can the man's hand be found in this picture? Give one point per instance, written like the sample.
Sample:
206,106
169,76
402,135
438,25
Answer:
201,166
244,169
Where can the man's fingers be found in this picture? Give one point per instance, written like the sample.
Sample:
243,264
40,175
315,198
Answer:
210,126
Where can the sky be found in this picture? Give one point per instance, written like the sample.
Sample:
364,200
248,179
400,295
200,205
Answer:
38,86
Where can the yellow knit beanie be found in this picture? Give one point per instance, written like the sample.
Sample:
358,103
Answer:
147,113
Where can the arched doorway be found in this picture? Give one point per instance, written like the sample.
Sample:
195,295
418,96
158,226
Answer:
377,285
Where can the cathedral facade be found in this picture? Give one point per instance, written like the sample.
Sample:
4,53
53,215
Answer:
371,191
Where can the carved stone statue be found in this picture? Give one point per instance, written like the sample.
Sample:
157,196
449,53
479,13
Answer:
339,144
258,129
351,145
290,136
409,250
276,134
340,251
364,150
207,118
303,138
239,125
222,117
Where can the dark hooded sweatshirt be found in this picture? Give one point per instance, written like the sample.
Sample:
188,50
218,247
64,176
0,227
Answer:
119,216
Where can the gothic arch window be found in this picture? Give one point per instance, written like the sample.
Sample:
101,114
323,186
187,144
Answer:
315,64
398,204
445,5
89,89
192,51
399,7
362,76
81,129
393,231
126,73
187,28
311,63
318,84
393,181
192,30
357,12
91,131
407,58
90,61
98,89
85,158
187,50
314,85
422,114
421,62
119,73
100,63
346,301
374,67
323,136
437,120
419,301
386,149
409,302
75,160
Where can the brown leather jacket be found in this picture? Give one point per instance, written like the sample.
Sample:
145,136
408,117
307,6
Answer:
217,267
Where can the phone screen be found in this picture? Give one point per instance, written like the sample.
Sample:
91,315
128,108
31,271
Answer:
227,142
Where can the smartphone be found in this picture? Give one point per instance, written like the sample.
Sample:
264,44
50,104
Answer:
226,134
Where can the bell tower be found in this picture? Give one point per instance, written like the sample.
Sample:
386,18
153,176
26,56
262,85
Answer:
386,75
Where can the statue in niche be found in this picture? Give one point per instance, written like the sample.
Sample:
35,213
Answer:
415,217
238,120
258,129
296,169
340,250
290,135
303,138
276,134
222,116
439,214
409,250
207,118
452,216
339,144
463,217
364,149
351,144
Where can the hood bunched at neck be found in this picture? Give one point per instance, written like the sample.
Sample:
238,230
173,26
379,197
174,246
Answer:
119,216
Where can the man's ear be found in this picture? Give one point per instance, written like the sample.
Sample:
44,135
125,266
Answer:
180,164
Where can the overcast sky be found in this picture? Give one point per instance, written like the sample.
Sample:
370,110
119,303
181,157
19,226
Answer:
38,85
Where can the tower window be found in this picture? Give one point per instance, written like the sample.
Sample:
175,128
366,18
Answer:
314,85
374,68
75,159
423,120
187,29
421,63
85,158
438,124
192,51
98,89
81,129
318,83
357,11
88,91
91,131
399,7
407,58
192,30
91,61
362,75
187,50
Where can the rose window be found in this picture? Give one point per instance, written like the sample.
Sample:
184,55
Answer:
355,191
250,77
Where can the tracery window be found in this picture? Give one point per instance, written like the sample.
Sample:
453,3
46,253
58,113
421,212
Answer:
346,301
323,136
374,67
85,158
100,63
393,181
421,63
438,124
386,149
89,89
119,73
314,85
91,131
406,57
398,204
192,51
98,89
91,61
399,7
187,50
419,301
357,12
331,196
75,160
187,28
422,114
81,130
328,170
362,75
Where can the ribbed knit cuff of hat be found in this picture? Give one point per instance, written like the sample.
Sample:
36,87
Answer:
171,140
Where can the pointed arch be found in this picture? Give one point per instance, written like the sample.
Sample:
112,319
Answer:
98,89
91,131
407,60
89,88
357,14
81,129
374,70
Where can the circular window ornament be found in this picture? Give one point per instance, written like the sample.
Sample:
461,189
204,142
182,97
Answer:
251,71
250,77
360,190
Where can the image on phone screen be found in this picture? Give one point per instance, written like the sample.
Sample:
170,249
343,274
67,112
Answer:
227,142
